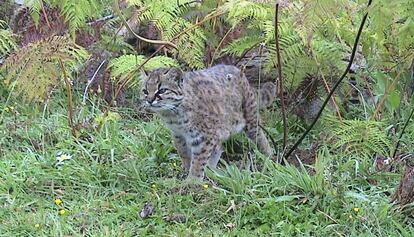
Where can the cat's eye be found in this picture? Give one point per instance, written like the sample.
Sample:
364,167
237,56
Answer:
162,90
145,91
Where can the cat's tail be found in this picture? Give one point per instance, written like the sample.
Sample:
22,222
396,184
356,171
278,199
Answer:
266,94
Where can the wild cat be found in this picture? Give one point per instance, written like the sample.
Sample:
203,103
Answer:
203,108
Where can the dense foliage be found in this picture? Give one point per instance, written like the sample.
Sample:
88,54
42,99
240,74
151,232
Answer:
71,127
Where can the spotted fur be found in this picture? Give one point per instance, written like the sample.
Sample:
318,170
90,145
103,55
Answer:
203,108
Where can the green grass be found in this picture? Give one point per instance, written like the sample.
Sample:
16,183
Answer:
126,162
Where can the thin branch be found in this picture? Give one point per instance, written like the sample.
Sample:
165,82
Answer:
362,99
85,93
281,91
162,42
246,52
218,46
354,49
69,93
385,96
258,92
44,14
105,18
402,133
327,88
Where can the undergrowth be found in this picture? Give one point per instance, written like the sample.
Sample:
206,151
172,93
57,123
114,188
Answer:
120,162
93,179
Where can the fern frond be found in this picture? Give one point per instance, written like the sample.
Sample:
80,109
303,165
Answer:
239,46
309,15
295,60
76,12
329,54
191,45
116,44
361,137
168,18
33,69
127,63
34,8
7,40
240,10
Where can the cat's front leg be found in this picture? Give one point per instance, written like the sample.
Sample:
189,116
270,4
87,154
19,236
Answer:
202,148
183,150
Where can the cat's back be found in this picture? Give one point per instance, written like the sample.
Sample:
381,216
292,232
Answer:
215,98
221,70
220,80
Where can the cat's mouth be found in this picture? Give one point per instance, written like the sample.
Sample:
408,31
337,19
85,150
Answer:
152,103
153,107
158,106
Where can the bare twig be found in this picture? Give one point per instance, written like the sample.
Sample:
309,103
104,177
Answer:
105,18
281,91
362,99
402,133
66,79
85,93
354,49
162,42
44,14
384,97
328,89
69,93
219,45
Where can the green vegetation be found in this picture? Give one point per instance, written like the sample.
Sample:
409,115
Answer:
121,163
73,133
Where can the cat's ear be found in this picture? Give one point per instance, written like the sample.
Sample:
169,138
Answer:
144,74
176,74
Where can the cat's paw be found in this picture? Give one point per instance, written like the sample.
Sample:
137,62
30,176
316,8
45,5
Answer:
190,185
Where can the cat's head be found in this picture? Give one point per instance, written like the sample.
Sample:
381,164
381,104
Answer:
162,89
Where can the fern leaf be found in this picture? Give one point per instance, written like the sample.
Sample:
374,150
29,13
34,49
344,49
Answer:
128,63
34,7
76,12
167,16
7,41
239,46
240,10
359,137
34,69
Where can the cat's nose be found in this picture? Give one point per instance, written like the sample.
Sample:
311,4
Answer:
151,101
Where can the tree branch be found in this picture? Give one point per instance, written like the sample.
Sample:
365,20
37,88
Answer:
281,91
402,133
354,49
69,94
162,42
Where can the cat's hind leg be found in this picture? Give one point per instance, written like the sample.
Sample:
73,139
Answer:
215,156
253,130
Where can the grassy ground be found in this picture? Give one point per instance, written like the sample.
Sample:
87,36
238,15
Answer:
119,163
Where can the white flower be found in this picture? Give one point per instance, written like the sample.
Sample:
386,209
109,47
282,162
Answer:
63,157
